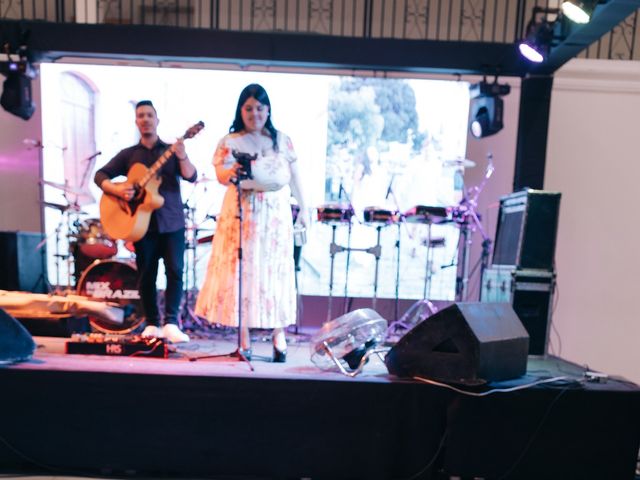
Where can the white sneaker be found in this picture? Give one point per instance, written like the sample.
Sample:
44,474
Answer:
172,333
152,331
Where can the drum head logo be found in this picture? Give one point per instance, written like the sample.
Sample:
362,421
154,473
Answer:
100,289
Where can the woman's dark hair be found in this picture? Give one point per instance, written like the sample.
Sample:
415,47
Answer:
260,94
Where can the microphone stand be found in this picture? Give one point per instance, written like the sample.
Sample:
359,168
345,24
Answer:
466,215
239,352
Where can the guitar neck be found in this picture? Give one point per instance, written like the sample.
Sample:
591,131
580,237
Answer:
153,169
157,165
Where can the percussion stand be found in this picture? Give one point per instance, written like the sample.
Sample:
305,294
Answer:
392,193
191,232
57,255
70,224
426,291
348,249
376,251
333,249
69,261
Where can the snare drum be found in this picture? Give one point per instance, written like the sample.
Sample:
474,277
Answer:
94,242
333,213
377,215
113,281
426,214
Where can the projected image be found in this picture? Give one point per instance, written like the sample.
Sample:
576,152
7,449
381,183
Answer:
367,147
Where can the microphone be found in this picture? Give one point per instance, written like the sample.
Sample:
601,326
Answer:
389,187
31,143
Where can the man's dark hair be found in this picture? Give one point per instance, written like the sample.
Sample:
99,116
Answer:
143,103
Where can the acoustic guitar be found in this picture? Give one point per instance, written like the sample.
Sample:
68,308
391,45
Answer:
129,220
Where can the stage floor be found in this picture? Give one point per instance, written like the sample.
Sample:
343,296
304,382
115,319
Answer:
109,416
184,360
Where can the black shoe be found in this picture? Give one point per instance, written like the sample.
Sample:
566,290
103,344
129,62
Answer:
245,353
278,356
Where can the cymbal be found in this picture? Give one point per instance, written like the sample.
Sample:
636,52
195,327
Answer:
459,162
65,208
65,188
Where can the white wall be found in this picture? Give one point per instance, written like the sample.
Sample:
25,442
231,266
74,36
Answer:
593,158
19,170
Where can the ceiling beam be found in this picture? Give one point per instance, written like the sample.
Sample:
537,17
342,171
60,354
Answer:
605,17
52,41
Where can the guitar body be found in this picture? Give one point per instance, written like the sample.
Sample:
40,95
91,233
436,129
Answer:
129,221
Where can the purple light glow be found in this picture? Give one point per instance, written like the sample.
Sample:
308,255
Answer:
530,53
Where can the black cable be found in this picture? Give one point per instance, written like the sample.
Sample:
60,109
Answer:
431,461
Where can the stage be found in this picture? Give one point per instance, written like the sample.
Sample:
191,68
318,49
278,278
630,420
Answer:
215,418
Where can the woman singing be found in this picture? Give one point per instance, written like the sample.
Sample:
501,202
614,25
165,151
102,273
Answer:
268,283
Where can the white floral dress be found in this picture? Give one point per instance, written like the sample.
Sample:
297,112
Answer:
268,283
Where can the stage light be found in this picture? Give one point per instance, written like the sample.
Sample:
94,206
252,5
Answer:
535,47
16,91
16,95
486,109
578,11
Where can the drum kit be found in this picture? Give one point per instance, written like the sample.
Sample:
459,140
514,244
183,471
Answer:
462,215
100,272
91,256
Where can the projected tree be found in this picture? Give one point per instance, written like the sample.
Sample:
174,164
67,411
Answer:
365,115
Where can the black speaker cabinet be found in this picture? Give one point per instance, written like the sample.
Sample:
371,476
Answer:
468,343
526,230
530,292
22,264
16,344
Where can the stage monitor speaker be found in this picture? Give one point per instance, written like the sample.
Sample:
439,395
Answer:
16,344
469,343
526,230
23,264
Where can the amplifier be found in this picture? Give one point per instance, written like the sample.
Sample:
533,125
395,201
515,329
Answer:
526,230
117,345
530,292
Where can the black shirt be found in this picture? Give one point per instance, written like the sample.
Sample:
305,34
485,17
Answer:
169,217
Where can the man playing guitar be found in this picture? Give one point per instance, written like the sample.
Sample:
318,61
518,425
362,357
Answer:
165,235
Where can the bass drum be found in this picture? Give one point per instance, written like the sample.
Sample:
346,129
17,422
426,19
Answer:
113,281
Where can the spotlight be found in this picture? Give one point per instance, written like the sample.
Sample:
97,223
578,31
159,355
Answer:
535,47
578,11
16,94
486,109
